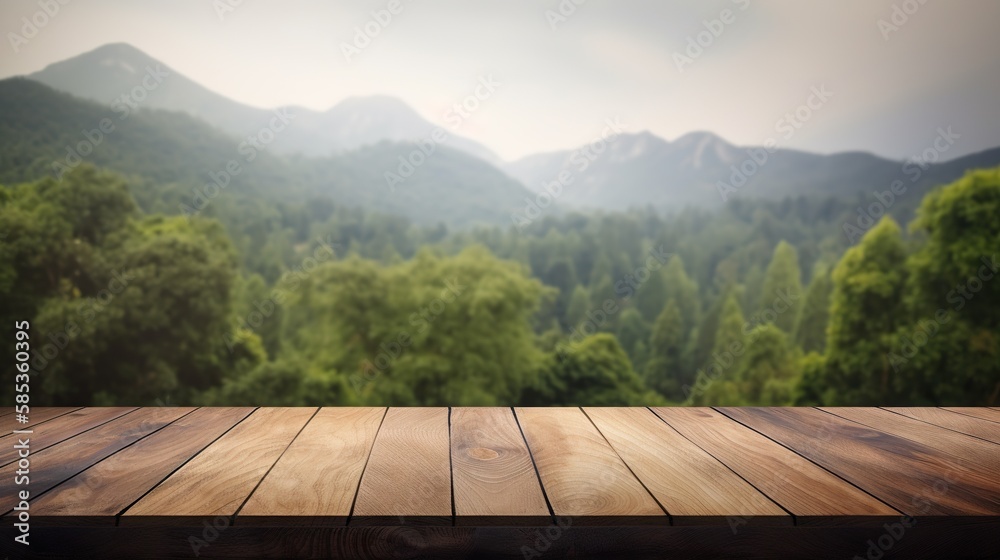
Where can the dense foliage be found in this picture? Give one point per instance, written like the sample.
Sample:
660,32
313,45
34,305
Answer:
316,303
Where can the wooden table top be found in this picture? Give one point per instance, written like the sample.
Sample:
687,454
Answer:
474,467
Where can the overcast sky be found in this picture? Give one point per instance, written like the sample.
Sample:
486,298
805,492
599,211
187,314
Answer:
558,83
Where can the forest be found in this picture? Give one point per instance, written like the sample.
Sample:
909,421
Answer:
303,301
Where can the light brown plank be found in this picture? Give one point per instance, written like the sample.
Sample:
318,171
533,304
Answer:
64,427
408,477
915,478
967,450
97,495
812,494
64,461
217,481
315,481
976,412
36,416
694,487
494,478
581,474
982,429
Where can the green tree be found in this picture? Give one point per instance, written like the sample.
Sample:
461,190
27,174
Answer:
561,274
666,348
684,291
866,310
579,306
767,375
715,383
430,331
782,285
592,372
814,314
632,330
948,352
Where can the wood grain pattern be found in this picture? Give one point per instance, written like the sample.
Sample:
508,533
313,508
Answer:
36,416
693,486
408,477
582,475
316,479
917,479
219,479
64,427
976,412
966,450
812,494
100,493
71,457
983,429
495,482
302,473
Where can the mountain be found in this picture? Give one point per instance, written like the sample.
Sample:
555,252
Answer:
110,71
172,155
639,169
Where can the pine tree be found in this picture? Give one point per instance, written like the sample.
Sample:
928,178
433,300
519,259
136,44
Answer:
814,313
683,291
632,329
666,346
781,294
579,305
768,370
730,341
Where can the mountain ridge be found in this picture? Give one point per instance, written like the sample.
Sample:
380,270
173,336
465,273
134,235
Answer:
110,71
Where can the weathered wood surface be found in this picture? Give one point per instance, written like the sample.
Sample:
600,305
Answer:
436,479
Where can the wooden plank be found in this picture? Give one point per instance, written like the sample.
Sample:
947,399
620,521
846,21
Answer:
36,416
813,495
97,495
967,450
581,474
218,481
408,477
982,429
914,478
64,461
493,475
315,481
64,427
694,487
976,412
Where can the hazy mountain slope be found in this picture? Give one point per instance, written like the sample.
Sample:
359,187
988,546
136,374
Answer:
176,153
640,169
110,71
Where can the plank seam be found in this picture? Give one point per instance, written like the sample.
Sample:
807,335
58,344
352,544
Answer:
887,504
118,516
451,472
670,518
232,520
44,421
531,456
958,459
968,415
54,486
76,434
939,425
795,520
354,501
